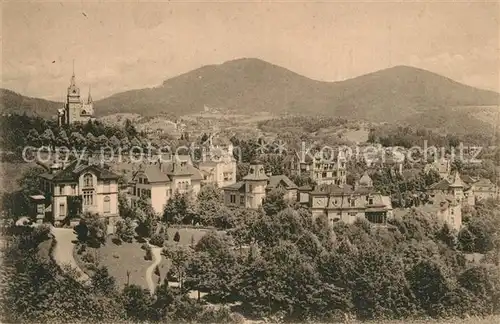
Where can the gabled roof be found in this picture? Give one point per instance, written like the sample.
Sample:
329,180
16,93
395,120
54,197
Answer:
76,168
441,185
457,181
276,180
468,179
332,189
365,180
153,173
234,186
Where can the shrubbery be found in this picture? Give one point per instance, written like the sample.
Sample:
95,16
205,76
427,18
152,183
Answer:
157,239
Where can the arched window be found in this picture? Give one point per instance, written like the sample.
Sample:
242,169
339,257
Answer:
88,180
107,204
84,112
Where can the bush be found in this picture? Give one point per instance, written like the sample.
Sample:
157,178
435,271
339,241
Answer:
177,237
149,254
41,233
157,239
125,230
89,258
81,248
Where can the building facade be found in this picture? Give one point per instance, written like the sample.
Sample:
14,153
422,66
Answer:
320,167
159,181
346,203
466,191
252,190
218,166
76,109
94,186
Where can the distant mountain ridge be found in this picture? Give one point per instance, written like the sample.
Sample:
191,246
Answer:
247,85
13,102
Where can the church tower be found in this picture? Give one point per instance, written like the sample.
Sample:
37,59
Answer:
73,102
75,110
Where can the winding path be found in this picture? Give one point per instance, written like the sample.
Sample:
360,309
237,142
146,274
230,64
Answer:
63,250
149,272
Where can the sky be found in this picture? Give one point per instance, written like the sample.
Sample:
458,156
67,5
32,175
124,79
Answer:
120,46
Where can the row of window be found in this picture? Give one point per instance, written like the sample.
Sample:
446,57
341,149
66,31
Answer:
142,192
63,190
88,200
232,199
143,180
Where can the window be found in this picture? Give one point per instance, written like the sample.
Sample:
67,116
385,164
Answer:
61,189
140,180
233,199
88,181
351,202
62,209
323,175
452,211
40,209
73,189
107,204
88,197
107,186
146,181
134,191
250,188
370,201
242,200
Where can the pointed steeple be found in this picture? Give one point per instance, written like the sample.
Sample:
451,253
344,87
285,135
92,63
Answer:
89,99
457,181
73,90
72,81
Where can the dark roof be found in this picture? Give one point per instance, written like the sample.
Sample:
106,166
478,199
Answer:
441,185
234,186
153,173
332,189
275,180
76,168
468,179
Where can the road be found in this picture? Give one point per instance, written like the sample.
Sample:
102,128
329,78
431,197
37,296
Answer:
150,271
63,251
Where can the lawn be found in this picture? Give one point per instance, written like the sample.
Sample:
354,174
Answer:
187,234
119,259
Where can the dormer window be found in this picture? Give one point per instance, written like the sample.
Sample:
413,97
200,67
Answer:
88,180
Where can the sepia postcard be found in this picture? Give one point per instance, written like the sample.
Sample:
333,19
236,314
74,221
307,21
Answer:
250,162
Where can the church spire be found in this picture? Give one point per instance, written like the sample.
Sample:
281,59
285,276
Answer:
89,99
72,81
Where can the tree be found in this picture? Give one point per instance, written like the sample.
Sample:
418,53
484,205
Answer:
125,230
137,302
275,201
62,138
447,236
91,141
33,138
180,209
125,143
48,138
103,283
78,140
114,142
96,228
102,141
177,237
130,129
179,255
